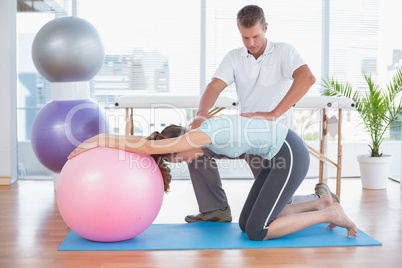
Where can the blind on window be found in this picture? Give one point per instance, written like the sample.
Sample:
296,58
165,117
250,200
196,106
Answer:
151,46
158,46
291,21
353,34
354,40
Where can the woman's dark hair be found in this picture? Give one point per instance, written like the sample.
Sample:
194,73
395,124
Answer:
168,132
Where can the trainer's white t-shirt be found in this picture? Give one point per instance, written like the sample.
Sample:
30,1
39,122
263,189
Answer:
261,83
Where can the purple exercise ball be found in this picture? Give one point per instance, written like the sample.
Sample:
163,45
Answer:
60,126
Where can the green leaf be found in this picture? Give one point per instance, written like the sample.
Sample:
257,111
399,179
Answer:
379,109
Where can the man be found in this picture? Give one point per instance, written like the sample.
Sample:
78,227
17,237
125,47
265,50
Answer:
270,78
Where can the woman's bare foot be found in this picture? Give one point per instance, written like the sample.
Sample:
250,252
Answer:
323,202
318,204
340,219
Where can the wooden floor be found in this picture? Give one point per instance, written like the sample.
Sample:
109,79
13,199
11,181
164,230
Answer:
31,230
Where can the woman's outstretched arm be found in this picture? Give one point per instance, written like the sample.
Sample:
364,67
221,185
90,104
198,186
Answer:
139,144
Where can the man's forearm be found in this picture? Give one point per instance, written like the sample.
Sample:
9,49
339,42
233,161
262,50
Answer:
303,80
207,101
210,95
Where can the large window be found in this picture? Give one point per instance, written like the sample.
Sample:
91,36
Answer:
290,21
176,45
150,46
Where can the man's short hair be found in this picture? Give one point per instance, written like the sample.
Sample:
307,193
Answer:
250,15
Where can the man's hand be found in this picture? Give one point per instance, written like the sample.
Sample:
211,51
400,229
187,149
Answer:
262,115
199,119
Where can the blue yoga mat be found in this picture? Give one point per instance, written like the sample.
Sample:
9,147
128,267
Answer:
213,235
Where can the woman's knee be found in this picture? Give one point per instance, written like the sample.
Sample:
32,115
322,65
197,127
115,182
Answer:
256,234
242,225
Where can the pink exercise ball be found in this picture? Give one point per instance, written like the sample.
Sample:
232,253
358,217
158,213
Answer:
109,195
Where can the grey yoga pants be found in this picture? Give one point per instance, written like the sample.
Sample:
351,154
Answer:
274,187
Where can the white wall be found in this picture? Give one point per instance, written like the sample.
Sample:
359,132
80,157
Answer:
8,112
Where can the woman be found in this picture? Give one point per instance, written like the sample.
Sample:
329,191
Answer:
266,214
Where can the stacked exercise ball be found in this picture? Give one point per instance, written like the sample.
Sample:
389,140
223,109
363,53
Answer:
66,51
109,195
60,126
104,194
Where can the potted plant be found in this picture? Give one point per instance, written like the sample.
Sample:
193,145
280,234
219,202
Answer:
380,110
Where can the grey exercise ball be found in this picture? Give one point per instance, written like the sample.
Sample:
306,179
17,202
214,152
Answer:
68,49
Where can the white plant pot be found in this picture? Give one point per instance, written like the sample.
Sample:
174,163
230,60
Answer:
374,171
